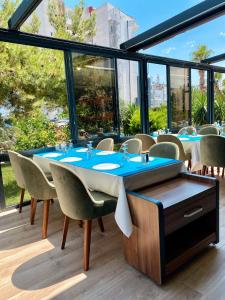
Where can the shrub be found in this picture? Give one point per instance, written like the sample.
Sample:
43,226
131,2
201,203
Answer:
34,132
158,118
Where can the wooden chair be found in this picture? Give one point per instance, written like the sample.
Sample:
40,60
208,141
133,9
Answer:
133,146
165,150
106,145
14,160
39,188
147,141
78,203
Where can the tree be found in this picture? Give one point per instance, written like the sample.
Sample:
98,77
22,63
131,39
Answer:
31,77
202,52
71,25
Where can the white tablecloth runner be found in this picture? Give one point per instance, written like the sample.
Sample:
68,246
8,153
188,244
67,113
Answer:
116,186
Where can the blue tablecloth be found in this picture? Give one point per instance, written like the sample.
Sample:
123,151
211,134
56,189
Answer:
126,168
189,138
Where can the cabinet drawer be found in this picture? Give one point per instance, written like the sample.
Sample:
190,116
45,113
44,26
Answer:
179,215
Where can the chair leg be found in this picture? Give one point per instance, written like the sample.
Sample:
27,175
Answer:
212,171
101,226
45,219
218,171
21,200
87,243
33,210
204,170
80,223
65,230
223,173
189,165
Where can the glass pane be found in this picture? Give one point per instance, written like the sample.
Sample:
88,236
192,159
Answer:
94,92
129,97
179,95
157,96
219,97
33,107
199,97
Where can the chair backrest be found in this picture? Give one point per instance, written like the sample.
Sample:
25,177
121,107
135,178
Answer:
212,151
35,180
190,130
74,197
14,160
106,145
133,146
209,130
173,139
165,150
147,141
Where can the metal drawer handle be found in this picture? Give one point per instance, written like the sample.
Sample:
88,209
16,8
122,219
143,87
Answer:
193,213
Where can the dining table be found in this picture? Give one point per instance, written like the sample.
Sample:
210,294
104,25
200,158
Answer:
113,173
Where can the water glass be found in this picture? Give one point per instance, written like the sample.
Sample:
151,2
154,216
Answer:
70,145
57,147
143,158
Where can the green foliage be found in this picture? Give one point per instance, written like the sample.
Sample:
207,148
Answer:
81,29
32,78
130,117
127,113
199,107
202,52
158,118
11,189
34,132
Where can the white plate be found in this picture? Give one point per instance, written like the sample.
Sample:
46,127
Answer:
105,153
70,159
52,155
106,166
82,150
138,159
184,139
135,159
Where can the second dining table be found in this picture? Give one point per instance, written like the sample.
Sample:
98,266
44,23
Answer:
113,173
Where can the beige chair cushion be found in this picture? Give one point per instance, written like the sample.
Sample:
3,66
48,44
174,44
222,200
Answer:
36,182
165,150
133,146
147,141
14,160
106,145
173,139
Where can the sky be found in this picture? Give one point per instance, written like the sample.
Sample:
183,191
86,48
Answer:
149,13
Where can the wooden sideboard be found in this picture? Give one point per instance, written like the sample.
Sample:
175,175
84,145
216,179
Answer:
172,222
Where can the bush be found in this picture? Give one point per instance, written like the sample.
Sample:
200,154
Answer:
199,107
158,118
36,131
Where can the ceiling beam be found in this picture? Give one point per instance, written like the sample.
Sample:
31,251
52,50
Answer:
190,18
214,59
23,12
23,38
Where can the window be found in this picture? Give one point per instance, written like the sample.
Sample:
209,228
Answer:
157,96
129,97
219,97
179,97
199,97
94,93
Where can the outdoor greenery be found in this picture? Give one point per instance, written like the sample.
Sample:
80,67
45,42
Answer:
32,79
12,191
